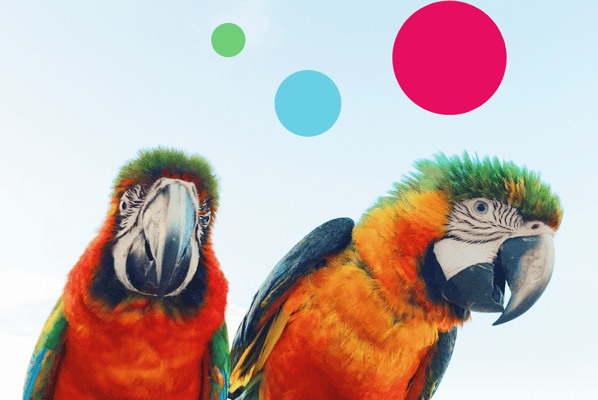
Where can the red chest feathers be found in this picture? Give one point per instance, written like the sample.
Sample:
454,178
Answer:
138,354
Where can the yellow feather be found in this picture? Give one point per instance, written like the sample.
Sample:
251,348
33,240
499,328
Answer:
237,379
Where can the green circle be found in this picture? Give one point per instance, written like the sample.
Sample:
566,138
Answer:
228,40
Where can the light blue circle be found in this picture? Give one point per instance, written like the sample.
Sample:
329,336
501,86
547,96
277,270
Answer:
307,103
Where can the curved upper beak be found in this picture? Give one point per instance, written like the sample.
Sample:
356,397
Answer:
528,263
160,257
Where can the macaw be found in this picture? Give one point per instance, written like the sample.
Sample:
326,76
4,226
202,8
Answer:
142,313
371,311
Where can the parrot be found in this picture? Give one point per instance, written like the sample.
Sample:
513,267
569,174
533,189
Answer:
141,315
371,311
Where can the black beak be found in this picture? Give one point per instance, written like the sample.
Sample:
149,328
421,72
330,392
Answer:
160,256
525,263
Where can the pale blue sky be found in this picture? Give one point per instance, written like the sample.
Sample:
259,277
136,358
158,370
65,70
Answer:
84,85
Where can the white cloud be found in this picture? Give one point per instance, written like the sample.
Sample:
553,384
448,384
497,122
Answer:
16,352
21,294
19,287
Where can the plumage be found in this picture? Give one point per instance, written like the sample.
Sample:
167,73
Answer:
109,338
262,326
368,317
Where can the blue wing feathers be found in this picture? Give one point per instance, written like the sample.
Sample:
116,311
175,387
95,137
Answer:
224,394
33,372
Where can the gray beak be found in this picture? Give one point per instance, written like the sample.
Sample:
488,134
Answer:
159,258
528,263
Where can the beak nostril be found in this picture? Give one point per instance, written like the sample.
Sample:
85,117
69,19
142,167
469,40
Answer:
148,251
535,226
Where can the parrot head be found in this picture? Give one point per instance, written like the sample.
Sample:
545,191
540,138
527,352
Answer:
498,229
162,209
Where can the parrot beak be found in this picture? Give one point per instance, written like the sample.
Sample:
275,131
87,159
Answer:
528,263
525,263
163,255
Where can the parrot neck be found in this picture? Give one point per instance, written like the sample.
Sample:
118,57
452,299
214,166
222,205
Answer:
393,240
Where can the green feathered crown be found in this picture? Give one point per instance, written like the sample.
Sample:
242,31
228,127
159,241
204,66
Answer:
469,178
152,162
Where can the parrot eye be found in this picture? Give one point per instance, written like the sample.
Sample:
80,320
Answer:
204,220
481,207
123,205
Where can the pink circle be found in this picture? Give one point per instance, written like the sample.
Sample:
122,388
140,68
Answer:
449,57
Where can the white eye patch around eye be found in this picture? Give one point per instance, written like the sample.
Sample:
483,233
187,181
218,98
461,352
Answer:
454,255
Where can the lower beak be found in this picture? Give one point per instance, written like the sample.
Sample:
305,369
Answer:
159,259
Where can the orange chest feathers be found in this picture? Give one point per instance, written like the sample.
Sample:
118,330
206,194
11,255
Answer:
345,340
